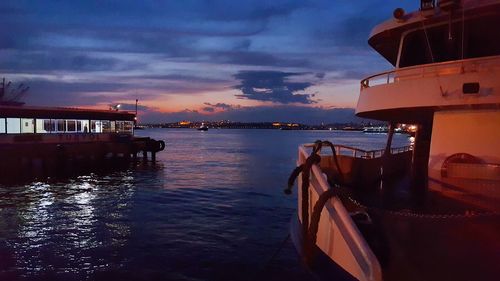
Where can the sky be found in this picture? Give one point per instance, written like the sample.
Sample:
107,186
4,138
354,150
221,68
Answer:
293,61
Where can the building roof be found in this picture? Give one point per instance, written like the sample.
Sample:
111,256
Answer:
63,113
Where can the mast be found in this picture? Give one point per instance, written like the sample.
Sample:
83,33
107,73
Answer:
135,119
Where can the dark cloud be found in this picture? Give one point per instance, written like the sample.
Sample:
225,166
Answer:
247,10
273,86
37,61
220,105
170,27
56,93
243,45
44,92
255,58
181,78
208,109
320,75
59,35
92,90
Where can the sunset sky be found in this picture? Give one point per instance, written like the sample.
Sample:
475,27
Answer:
255,60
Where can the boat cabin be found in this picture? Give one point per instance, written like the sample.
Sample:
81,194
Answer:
445,80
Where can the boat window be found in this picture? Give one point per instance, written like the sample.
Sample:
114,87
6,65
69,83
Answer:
481,37
415,51
85,126
128,126
49,125
96,126
27,125
119,126
78,125
106,126
444,42
2,126
44,126
61,125
70,125
13,125
124,126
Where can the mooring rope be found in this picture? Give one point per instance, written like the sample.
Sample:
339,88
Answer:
276,252
309,230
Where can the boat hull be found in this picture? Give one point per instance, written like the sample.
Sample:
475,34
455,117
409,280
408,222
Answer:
321,266
338,238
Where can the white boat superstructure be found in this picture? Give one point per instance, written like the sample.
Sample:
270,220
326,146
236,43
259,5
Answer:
430,211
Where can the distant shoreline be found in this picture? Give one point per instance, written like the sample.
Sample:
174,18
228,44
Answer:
264,125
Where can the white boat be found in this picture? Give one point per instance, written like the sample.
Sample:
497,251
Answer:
203,127
376,130
431,211
381,130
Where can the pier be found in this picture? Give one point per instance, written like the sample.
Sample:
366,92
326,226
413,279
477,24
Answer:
43,141
30,156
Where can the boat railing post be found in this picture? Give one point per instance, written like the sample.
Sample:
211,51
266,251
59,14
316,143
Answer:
389,138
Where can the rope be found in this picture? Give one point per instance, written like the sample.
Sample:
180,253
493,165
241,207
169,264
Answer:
316,214
258,274
335,160
291,180
277,251
309,230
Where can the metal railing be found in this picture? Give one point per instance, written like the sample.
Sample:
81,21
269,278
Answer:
366,154
430,70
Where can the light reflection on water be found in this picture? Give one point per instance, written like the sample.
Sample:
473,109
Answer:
61,227
212,208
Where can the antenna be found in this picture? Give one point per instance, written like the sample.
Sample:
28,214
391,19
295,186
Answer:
135,119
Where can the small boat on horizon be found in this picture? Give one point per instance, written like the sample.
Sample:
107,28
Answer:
203,127
380,130
375,130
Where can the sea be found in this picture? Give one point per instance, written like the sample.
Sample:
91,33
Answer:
211,207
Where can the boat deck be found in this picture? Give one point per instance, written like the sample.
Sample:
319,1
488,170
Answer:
434,233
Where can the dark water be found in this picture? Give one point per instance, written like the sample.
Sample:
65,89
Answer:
212,208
